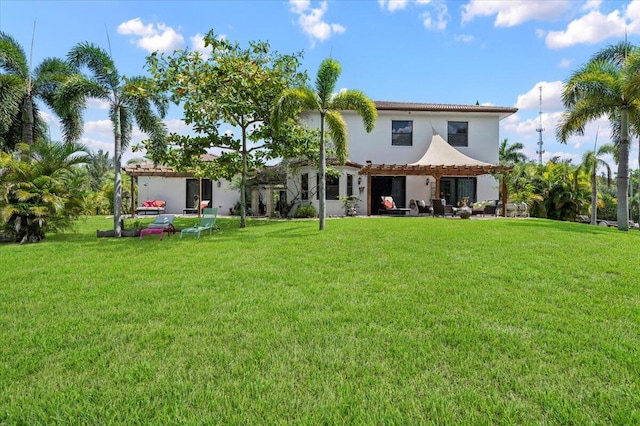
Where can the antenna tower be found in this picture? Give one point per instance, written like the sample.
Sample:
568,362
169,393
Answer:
540,151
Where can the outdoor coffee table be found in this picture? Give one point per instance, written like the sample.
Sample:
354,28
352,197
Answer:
147,231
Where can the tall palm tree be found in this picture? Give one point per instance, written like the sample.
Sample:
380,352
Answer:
323,100
20,87
129,100
591,161
608,85
511,154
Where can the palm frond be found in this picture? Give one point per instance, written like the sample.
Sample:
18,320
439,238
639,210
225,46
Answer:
291,102
98,61
12,57
337,131
357,101
326,80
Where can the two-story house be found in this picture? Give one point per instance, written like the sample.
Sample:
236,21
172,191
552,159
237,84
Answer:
387,161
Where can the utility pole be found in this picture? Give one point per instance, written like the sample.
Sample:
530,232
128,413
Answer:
540,151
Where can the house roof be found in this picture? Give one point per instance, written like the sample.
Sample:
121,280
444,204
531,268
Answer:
427,107
150,169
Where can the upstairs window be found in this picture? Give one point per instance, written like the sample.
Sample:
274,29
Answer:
458,133
401,133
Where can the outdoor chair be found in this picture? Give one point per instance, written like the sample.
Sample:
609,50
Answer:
440,208
164,222
423,207
207,223
388,206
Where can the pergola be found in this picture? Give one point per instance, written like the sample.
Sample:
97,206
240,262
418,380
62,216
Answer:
440,160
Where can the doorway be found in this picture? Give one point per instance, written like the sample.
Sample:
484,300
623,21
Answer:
453,189
395,186
192,192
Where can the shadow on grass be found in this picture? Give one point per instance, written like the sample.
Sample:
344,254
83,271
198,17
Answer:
575,227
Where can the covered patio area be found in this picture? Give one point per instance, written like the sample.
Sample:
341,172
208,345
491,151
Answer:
440,160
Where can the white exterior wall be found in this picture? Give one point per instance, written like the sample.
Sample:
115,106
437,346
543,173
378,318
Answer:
173,191
483,143
334,207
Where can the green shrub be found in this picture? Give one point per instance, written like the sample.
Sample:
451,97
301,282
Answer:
306,211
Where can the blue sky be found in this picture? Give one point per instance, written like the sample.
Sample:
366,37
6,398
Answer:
434,51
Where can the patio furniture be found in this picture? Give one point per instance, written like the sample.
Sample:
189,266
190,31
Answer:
388,206
163,222
440,208
152,207
148,231
193,210
423,207
207,222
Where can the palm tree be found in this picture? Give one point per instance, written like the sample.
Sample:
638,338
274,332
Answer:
511,154
608,85
323,100
591,161
129,100
20,87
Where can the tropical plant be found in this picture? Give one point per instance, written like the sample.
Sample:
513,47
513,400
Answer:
130,99
20,87
236,86
511,154
40,191
591,161
329,105
608,85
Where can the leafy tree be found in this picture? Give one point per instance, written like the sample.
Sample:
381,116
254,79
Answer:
608,85
591,161
328,104
130,99
39,192
235,85
20,88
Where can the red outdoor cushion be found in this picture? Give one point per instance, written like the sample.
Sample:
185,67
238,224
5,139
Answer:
387,204
150,203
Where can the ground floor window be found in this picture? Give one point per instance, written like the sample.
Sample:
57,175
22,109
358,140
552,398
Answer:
333,187
304,186
454,189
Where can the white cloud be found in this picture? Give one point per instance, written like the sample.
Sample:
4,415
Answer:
136,27
102,127
591,28
97,103
311,20
94,145
392,5
464,38
515,12
178,126
197,44
439,22
564,63
551,97
158,38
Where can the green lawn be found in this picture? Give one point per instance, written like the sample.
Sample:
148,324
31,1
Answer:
374,320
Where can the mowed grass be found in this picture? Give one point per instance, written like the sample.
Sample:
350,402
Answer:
373,321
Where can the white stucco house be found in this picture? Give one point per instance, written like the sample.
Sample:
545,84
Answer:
416,151
387,161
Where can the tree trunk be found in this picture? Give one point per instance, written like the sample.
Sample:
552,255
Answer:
623,172
594,196
117,181
322,209
243,181
27,120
